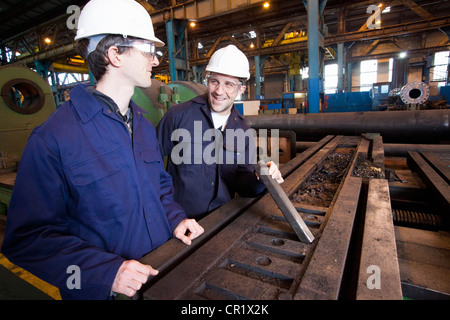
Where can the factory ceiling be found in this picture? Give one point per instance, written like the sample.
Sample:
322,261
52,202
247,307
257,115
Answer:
28,24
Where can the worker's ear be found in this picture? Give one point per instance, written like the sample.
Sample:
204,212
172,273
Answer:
114,57
242,90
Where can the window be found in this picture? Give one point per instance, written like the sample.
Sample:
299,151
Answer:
71,78
304,72
331,78
439,71
391,66
368,74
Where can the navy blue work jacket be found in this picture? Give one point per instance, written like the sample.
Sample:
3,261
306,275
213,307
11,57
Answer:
89,196
202,185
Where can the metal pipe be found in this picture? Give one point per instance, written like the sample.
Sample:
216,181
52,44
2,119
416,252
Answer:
49,54
390,149
417,125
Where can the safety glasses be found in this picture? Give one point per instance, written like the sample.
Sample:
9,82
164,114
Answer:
147,48
230,87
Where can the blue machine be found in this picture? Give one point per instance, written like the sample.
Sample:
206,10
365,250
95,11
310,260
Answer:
445,91
348,102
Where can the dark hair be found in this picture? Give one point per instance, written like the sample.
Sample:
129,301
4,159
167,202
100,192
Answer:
98,59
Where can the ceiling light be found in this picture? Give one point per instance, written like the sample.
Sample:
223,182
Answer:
402,54
252,45
192,22
47,40
266,5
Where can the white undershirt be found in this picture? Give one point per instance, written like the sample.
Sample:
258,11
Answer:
219,120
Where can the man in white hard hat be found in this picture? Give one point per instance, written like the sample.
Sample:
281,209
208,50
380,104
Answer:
204,179
92,196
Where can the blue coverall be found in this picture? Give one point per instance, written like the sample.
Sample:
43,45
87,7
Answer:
202,186
88,195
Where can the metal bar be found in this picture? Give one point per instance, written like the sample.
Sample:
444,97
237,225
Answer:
323,278
378,152
438,164
424,258
283,202
392,149
170,254
379,273
431,178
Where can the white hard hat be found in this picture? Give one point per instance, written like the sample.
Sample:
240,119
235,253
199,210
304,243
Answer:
124,17
229,61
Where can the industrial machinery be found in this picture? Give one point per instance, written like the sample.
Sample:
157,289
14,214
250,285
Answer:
413,95
26,102
159,97
344,197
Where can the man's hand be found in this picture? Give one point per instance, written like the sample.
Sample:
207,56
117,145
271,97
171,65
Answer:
194,228
274,172
131,276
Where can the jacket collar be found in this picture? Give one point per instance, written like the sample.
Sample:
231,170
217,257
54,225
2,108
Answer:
87,106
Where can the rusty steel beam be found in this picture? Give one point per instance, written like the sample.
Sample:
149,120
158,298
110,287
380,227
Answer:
431,178
379,271
324,276
390,149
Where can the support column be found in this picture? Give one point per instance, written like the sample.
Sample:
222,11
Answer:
340,59
259,76
177,49
313,56
349,76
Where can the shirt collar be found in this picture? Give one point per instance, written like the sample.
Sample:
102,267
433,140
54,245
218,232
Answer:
203,101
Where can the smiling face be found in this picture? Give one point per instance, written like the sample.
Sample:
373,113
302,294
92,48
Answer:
222,91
